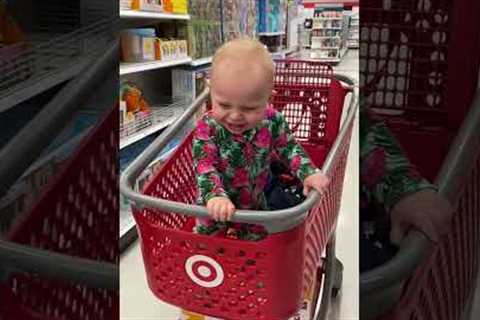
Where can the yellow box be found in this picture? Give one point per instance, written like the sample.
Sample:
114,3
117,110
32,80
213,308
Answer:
180,6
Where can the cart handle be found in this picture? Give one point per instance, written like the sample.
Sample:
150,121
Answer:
416,247
274,221
56,266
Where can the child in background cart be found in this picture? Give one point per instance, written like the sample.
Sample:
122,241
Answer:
235,142
390,183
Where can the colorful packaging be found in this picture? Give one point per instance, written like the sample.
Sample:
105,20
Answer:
148,5
180,6
148,48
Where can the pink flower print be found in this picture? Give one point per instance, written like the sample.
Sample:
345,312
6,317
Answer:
240,179
202,131
217,182
261,180
245,198
281,140
205,166
210,150
222,165
373,169
249,153
296,162
270,112
263,138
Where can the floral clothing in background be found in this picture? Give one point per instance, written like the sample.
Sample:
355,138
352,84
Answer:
386,176
238,166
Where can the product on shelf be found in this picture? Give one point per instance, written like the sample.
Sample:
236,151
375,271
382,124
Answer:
272,15
147,5
240,18
140,45
126,4
328,37
176,6
204,30
188,83
134,104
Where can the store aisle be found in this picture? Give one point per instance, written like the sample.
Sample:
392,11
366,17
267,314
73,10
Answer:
138,303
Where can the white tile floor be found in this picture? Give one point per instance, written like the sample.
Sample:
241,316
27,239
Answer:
138,303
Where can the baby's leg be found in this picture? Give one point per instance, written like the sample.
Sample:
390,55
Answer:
208,226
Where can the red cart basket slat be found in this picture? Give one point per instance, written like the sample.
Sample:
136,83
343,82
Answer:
234,279
70,229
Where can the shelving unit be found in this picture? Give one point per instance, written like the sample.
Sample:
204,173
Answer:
354,32
126,68
271,34
134,14
159,118
328,37
201,61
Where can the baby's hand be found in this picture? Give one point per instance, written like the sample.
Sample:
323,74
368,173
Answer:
424,210
317,181
220,208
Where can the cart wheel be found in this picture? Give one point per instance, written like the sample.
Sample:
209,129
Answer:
337,284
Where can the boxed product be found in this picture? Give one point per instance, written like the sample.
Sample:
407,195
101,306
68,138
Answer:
180,6
148,5
272,15
137,45
126,4
148,48
188,83
240,17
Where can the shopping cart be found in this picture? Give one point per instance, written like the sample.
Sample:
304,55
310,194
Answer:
414,78
234,279
59,259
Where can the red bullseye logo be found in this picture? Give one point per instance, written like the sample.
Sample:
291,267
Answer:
204,271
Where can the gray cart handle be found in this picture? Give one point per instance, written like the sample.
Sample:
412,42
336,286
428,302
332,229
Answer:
274,221
416,247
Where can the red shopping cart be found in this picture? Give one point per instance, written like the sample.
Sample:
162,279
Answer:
234,279
58,262
416,79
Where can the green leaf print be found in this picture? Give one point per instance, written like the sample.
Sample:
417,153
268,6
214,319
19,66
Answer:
197,149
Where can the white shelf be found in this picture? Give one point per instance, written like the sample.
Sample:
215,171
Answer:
327,28
325,48
326,37
268,34
133,67
158,119
134,14
327,19
201,61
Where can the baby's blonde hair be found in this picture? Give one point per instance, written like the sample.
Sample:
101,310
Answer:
246,49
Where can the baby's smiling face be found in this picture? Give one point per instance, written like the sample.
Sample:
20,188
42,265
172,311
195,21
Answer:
240,92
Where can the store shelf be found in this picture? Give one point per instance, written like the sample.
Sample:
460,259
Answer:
201,61
327,19
159,118
325,37
325,48
133,14
327,28
271,34
126,68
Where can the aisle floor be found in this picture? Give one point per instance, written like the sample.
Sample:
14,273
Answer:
138,303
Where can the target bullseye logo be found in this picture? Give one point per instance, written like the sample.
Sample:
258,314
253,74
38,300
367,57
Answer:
204,271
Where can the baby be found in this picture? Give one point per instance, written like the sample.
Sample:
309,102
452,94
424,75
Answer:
234,142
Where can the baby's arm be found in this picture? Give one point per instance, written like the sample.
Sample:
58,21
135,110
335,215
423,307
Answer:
388,177
209,182
294,154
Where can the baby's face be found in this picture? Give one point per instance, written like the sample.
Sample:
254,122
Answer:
239,97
